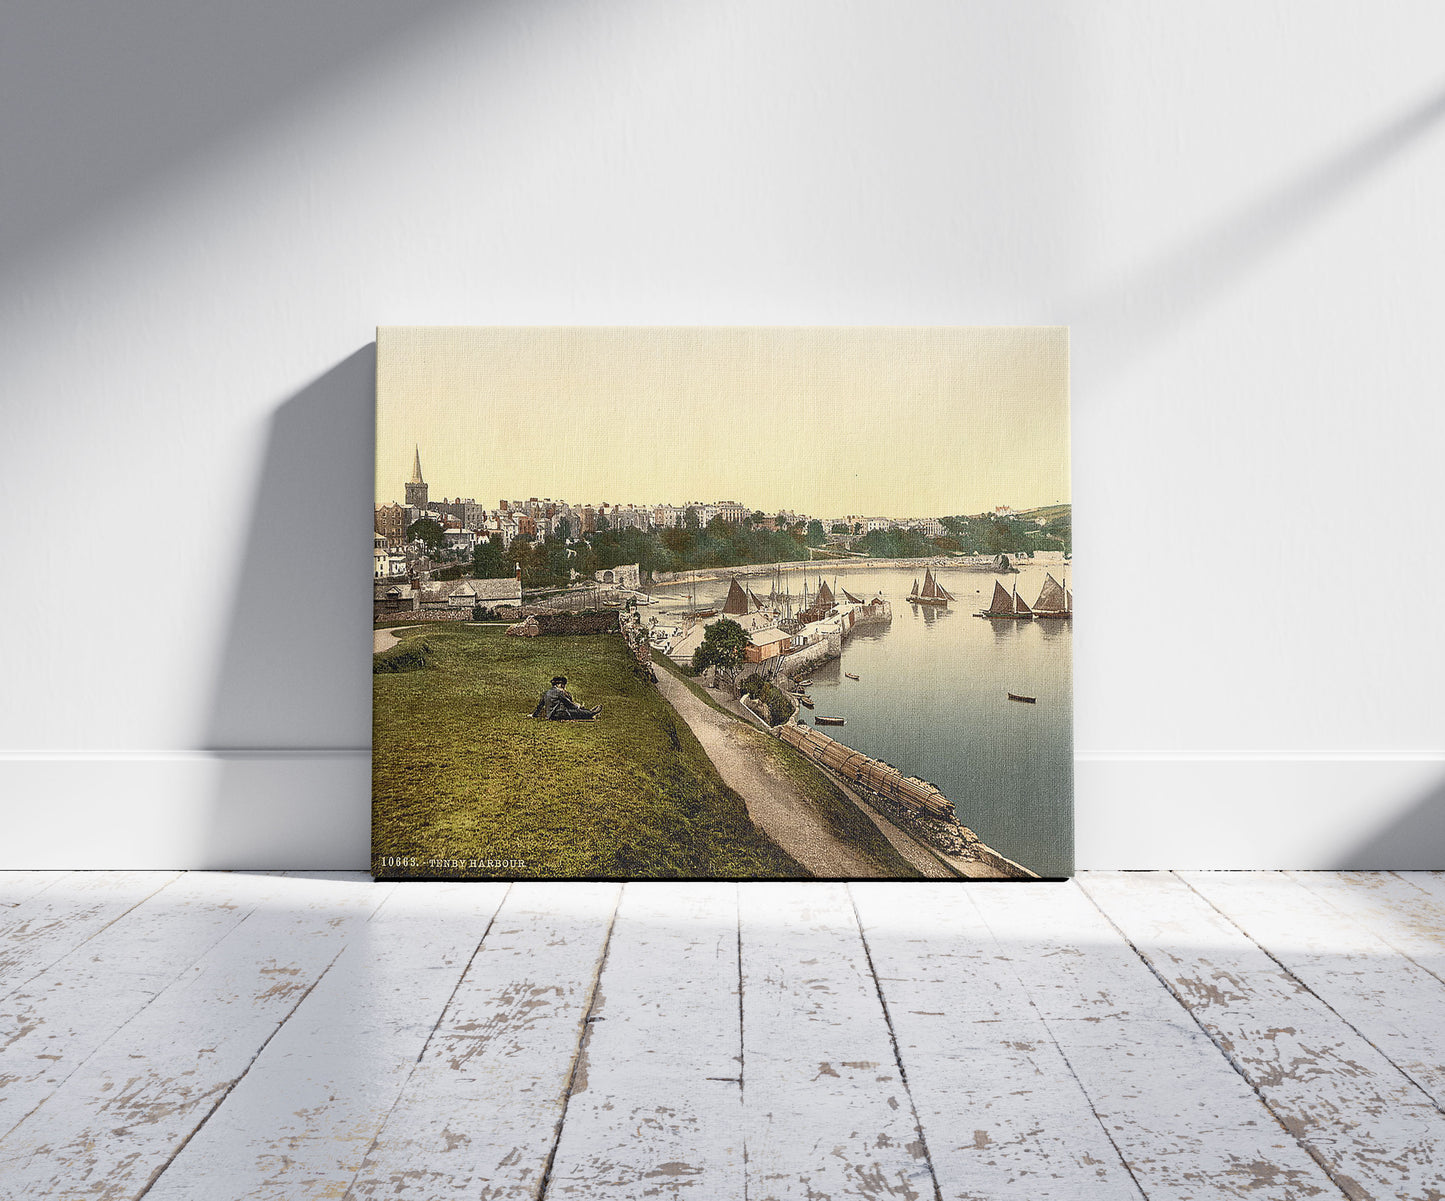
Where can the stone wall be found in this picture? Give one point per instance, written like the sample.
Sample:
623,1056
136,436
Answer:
577,623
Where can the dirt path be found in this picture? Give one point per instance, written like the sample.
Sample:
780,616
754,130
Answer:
774,803
384,640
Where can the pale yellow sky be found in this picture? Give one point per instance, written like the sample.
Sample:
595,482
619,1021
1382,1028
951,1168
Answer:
881,421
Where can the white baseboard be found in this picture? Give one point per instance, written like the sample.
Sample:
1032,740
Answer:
186,809
311,809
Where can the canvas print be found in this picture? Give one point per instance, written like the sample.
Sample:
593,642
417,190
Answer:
730,603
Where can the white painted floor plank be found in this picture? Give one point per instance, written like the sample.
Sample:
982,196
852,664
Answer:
46,926
827,1113
1392,1002
50,1025
1002,1114
1375,1131
1404,909
656,1108
1184,1121
300,1122
479,1116
16,887
121,1117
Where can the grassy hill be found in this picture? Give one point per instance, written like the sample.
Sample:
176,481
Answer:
1048,512
461,772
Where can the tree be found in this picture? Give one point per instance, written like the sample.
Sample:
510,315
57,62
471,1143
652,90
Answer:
690,520
602,523
857,527
488,562
564,529
816,536
722,646
839,527
427,531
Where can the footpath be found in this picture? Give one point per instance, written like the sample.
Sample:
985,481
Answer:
774,803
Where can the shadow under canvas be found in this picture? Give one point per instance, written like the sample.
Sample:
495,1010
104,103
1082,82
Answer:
290,717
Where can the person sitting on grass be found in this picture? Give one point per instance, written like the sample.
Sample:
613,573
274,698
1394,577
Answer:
557,704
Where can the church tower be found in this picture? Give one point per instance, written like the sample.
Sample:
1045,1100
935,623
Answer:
416,486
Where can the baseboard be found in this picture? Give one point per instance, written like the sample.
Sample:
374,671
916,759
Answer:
186,809
1260,810
311,809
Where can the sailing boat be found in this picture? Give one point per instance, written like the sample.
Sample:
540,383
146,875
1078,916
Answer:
1006,605
932,592
850,598
1055,601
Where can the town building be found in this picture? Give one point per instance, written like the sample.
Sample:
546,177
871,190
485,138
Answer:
766,644
416,489
391,523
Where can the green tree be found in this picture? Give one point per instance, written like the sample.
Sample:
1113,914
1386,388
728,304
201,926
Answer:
488,561
564,529
690,519
722,646
840,527
602,523
427,531
816,536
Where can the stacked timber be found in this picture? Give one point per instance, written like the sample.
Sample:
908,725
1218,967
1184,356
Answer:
890,783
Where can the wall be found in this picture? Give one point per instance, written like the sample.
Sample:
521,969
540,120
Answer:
207,207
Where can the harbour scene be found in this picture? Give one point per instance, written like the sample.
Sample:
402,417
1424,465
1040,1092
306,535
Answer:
929,690
722,604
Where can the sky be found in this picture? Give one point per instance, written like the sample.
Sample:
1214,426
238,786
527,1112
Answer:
880,421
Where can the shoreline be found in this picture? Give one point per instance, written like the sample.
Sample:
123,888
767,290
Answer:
978,563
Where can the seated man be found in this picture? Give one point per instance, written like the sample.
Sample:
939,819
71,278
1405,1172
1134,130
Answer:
557,704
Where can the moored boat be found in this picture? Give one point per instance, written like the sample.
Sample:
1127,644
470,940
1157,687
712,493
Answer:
932,592
829,721
1055,600
850,675
1006,606
1027,700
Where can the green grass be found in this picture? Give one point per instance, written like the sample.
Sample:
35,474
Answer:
461,772
843,817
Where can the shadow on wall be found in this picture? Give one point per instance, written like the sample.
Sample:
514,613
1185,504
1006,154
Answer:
119,96
290,718
1415,841
1148,305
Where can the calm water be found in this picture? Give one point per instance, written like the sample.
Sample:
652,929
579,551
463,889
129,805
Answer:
931,700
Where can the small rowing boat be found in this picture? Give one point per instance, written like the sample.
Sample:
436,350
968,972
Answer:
805,702
850,675
1027,700
829,721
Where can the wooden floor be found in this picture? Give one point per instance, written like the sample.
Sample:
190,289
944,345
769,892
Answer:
1190,1035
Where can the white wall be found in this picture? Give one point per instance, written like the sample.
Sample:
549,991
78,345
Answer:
205,208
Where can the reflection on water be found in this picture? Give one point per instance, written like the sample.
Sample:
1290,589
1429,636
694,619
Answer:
932,699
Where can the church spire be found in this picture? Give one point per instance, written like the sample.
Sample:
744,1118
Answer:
416,468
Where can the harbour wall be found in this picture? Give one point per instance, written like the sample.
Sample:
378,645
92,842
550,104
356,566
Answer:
816,567
913,801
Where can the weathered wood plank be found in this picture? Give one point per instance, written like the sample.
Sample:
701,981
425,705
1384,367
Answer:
480,1113
122,1115
1392,1002
54,1022
1405,909
1185,1123
300,1123
656,1106
1002,1114
1373,1129
16,887
48,925
826,1111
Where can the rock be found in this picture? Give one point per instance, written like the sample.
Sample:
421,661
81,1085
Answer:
526,629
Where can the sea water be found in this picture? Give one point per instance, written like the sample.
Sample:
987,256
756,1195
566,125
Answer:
932,699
